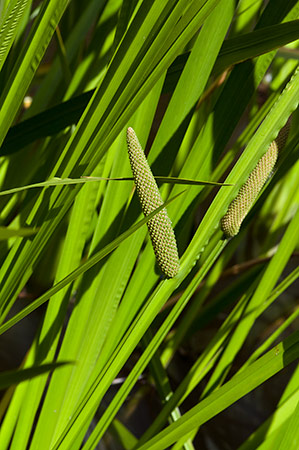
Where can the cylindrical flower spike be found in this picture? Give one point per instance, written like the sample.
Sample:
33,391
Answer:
159,227
240,206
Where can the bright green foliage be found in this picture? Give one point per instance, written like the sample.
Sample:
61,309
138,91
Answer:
188,77
159,227
9,25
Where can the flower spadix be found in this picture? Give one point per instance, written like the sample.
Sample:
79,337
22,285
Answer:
240,206
159,227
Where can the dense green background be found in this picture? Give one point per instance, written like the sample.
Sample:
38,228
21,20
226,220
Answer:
207,85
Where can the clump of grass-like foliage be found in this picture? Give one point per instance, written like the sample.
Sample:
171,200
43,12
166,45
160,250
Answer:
119,356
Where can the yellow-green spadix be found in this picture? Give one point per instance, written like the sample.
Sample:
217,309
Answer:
240,206
159,227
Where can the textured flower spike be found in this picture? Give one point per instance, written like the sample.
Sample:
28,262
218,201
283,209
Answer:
240,206
159,227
